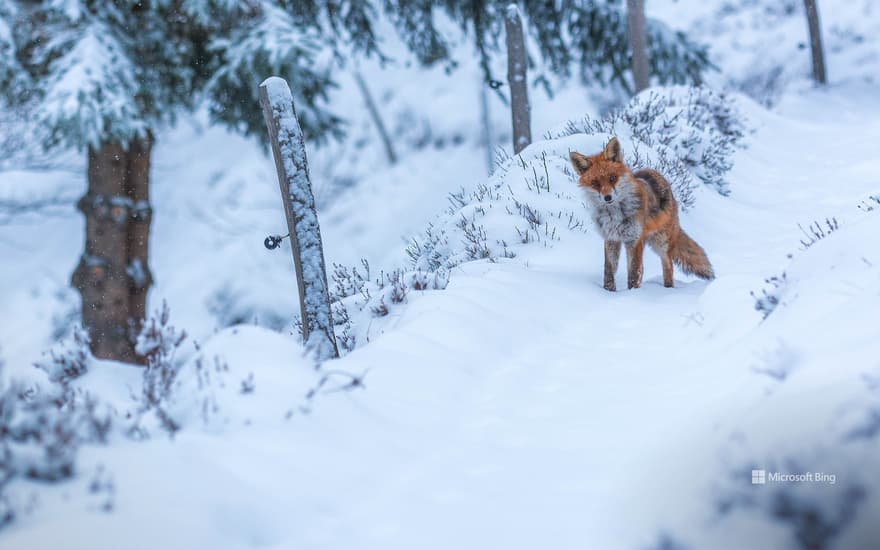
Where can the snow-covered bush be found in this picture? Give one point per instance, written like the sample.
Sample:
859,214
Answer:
870,204
42,427
69,360
815,232
178,386
696,126
354,290
776,286
158,342
41,431
531,198
815,513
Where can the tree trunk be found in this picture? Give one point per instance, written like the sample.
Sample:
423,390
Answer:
516,78
638,41
113,276
376,116
138,191
101,276
816,41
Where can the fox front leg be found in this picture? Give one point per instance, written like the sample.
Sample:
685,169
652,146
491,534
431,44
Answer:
634,252
612,256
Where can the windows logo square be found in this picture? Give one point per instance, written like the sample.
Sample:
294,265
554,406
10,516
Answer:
759,477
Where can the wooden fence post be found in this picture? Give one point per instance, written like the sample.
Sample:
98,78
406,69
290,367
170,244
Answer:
816,41
638,42
486,127
517,66
291,164
376,116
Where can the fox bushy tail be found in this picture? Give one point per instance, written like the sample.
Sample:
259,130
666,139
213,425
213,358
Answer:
691,257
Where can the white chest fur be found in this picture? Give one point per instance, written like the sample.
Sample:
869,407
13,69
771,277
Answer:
616,220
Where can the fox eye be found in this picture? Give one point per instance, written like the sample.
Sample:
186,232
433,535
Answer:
595,183
612,179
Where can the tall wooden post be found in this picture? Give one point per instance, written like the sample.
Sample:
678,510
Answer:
517,66
638,41
816,41
291,163
486,127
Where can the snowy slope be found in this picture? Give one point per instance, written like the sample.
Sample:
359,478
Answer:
522,406
525,406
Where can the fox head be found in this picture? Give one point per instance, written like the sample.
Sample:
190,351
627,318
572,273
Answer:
602,172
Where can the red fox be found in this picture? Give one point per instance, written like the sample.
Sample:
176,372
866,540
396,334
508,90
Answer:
633,208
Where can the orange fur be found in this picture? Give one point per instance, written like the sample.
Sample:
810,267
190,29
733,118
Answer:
635,208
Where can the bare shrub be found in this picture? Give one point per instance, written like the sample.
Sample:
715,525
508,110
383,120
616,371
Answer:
69,360
41,432
159,342
696,126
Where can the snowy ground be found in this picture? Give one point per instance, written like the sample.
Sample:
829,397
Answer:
521,407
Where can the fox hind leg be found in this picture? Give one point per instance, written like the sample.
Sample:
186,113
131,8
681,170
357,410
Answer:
668,279
634,252
612,257
660,244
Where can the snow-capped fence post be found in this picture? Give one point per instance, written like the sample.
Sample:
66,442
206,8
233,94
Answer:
486,126
291,164
816,41
517,66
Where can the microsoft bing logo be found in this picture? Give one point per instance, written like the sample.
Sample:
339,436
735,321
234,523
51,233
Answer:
759,477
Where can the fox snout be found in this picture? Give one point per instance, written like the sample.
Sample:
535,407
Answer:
607,198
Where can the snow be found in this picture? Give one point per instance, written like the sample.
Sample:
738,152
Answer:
516,403
512,11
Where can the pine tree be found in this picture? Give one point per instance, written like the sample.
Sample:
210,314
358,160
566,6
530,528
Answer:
259,39
588,35
12,75
598,44
101,87
7,47
103,77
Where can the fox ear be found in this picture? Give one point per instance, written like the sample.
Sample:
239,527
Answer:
613,152
581,163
